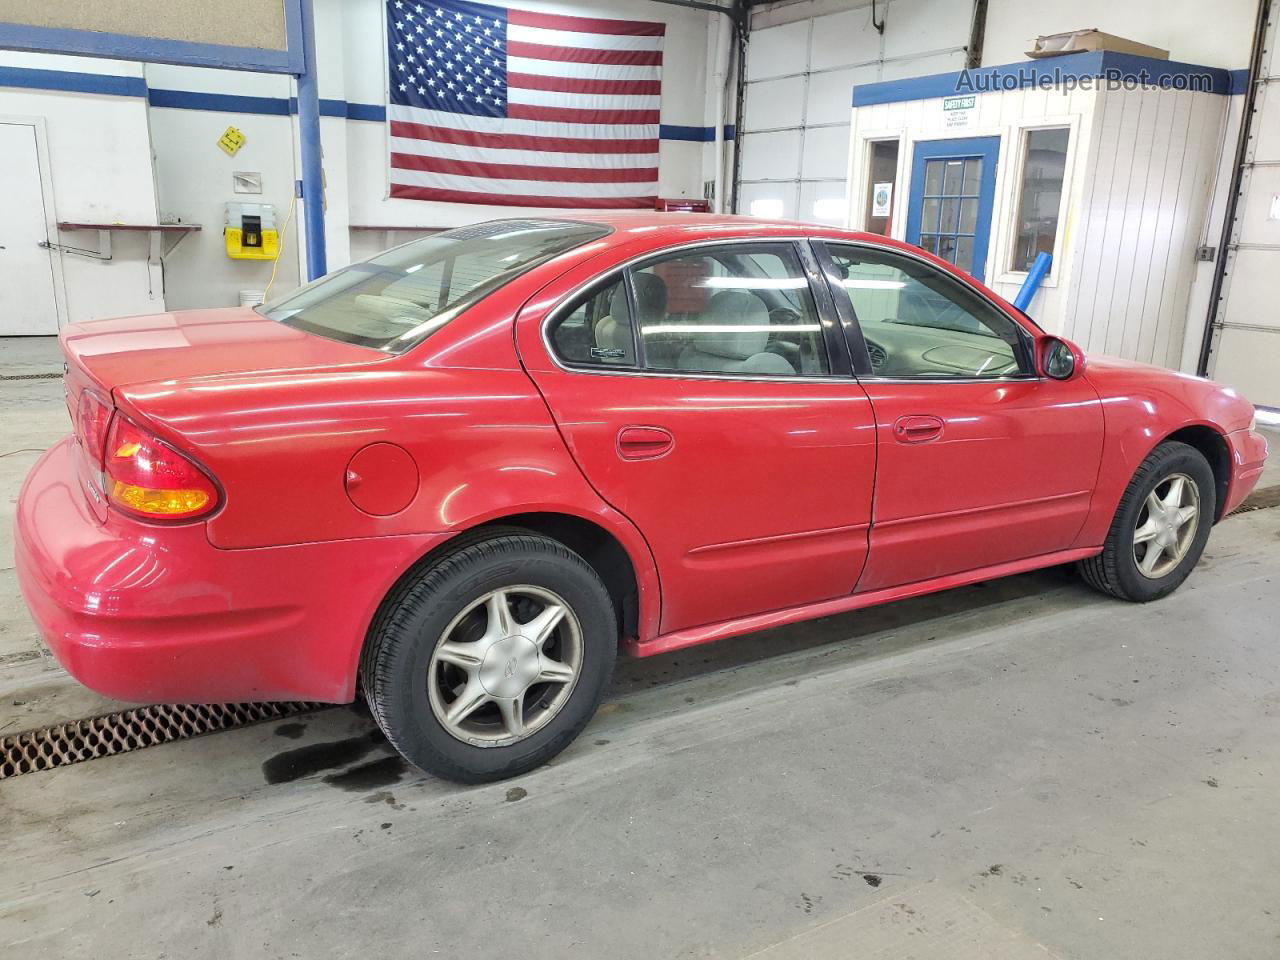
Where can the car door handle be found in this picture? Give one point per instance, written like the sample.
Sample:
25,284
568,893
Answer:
644,443
917,429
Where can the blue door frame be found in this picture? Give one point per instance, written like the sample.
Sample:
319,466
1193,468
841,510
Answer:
955,231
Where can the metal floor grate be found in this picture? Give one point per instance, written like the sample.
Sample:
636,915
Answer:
34,750
1264,498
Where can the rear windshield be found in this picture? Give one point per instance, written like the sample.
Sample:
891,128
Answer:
401,297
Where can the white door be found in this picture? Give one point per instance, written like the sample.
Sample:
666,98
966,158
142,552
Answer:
26,269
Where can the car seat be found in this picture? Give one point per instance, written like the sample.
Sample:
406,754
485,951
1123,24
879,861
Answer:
614,332
735,338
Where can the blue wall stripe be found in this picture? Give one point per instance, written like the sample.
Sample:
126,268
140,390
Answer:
74,82
698,134
1050,71
1118,66
366,111
223,102
238,103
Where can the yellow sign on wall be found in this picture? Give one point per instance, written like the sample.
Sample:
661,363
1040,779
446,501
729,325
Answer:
231,141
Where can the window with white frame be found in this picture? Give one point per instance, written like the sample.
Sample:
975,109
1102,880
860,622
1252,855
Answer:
1044,164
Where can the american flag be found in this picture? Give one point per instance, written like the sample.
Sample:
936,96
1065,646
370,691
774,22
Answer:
505,106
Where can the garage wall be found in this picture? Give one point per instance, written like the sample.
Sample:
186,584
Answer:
805,57
194,177
99,155
803,61
682,165
1215,35
190,179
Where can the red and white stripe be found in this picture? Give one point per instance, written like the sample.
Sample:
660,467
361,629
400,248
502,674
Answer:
581,130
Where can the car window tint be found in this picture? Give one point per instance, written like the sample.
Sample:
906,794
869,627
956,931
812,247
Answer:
597,330
919,321
744,310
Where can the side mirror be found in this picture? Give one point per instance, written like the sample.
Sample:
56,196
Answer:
1058,359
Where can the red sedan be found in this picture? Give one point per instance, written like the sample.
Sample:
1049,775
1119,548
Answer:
460,475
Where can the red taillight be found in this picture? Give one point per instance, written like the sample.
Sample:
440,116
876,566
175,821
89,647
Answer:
148,479
92,418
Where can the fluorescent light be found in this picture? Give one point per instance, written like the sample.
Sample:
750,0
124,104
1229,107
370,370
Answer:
753,283
767,208
854,283
731,328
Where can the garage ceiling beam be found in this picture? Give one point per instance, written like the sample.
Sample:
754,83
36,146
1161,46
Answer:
731,11
977,35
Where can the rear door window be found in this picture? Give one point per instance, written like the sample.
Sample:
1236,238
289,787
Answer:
743,310
597,331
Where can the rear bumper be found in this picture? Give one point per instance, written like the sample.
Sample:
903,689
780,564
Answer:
158,614
1248,450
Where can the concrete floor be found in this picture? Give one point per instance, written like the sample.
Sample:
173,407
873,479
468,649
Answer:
1016,769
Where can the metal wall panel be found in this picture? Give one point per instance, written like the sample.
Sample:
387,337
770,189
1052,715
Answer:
771,156
771,104
777,51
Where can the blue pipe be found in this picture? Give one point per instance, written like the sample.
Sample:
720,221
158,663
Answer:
309,142
1039,270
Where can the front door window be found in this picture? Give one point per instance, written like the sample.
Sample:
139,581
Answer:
919,322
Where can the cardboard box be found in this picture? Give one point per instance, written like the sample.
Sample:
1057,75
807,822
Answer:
1079,41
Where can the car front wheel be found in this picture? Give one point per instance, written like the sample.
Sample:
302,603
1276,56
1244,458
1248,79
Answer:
491,661
1160,528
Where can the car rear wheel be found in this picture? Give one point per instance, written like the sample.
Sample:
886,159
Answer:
1160,528
491,661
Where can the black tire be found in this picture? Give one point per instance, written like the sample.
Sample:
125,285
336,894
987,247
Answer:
1115,571
397,656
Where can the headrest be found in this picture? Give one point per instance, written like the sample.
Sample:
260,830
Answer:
735,308
651,296
618,308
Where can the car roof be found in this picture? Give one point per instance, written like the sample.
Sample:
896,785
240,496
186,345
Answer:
650,221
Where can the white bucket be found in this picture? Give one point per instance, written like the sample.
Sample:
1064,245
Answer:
251,298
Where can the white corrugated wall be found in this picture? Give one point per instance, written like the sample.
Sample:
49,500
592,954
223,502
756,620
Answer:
1147,188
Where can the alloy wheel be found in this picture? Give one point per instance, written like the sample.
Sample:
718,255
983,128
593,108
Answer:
1166,526
505,666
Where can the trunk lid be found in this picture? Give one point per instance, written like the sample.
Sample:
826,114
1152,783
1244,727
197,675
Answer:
196,343
104,356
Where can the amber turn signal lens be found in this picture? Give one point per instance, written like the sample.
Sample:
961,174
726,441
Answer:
165,503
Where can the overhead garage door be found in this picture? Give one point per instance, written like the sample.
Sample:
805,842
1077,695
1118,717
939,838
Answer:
800,80
1247,350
